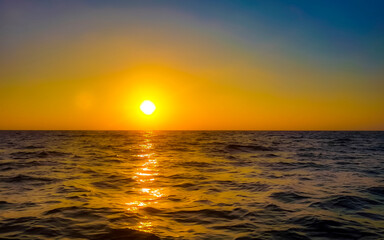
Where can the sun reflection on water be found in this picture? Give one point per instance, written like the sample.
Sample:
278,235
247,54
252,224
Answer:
147,193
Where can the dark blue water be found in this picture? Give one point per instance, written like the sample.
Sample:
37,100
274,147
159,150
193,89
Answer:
191,185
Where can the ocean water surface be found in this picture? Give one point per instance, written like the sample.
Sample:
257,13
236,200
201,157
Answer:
191,185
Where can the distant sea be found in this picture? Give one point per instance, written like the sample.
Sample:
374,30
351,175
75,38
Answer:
191,185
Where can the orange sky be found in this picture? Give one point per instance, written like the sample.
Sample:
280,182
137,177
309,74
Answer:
90,68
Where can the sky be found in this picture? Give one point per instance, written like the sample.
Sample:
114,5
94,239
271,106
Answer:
206,65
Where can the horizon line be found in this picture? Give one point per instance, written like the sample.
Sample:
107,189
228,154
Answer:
196,130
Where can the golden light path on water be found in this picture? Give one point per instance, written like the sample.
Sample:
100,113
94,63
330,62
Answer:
145,177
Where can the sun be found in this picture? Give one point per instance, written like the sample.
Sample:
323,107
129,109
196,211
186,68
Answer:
147,107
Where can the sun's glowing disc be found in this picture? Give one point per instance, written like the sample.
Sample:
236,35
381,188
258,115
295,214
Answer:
147,107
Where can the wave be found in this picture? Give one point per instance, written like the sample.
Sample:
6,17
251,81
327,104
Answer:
206,215
185,185
122,234
346,203
106,185
317,227
30,147
70,189
26,178
39,154
379,191
197,164
252,186
288,197
373,216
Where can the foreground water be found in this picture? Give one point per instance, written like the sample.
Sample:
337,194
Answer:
191,185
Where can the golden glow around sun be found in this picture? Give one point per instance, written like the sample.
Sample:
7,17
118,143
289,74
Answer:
147,107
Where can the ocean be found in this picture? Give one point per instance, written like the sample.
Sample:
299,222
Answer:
191,185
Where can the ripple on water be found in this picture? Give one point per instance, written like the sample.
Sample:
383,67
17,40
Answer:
38,154
345,203
21,178
379,191
288,197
